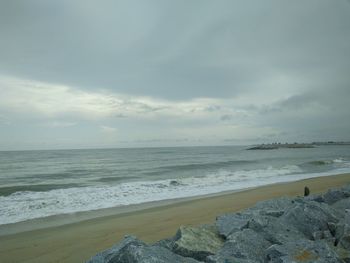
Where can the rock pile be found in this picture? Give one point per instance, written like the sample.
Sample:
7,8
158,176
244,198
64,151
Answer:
315,228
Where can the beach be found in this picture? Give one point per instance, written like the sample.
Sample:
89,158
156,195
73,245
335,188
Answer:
78,241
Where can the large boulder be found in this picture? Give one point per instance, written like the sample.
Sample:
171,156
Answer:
335,195
305,251
273,207
232,222
110,255
342,206
167,243
132,250
197,242
274,229
343,254
242,246
310,217
342,235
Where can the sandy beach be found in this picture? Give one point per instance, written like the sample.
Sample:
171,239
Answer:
77,242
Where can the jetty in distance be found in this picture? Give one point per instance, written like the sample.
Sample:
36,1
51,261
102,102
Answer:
278,145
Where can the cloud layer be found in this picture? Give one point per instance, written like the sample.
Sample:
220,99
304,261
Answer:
157,73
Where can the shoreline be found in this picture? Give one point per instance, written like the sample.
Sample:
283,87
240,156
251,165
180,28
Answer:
80,216
78,241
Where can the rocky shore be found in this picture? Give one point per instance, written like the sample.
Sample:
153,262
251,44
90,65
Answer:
314,228
274,146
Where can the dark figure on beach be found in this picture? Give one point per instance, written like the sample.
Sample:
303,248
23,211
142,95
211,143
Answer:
306,191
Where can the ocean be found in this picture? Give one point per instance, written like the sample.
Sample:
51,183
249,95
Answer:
36,184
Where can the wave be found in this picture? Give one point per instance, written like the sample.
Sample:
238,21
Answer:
321,162
115,179
25,205
197,166
8,190
338,162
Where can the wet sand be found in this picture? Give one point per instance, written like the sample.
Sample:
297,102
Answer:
77,242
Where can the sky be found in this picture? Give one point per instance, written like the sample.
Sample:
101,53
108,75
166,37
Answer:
95,74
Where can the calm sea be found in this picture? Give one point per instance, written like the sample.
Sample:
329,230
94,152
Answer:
37,184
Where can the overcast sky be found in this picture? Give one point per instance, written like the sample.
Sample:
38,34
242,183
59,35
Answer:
82,74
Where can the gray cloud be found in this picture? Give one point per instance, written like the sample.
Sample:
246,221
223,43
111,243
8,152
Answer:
176,49
167,70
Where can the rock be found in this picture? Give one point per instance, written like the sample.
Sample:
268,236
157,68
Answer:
346,188
197,242
343,254
278,204
318,235
324,235
230,223
151,254
109,255
274,146
342,206
335,195
242,246
167,243
310,217
343,235
273,213
274,229
302,251
131,250
316,197
263,147
274,207
232,260
332,227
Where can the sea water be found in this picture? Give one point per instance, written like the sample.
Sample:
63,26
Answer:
35,184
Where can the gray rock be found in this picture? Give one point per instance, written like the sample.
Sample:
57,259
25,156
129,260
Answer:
302,251
242,246
318,235
347,215
343,235
273,213
328,237
346,188
343,254
310,217
314,197
274,229
197,242
167,243
131,250
332,227
335,195
327,234
274,207
151,254
341,206
230,223
230,260
110,254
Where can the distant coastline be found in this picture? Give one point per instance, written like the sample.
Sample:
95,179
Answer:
278,145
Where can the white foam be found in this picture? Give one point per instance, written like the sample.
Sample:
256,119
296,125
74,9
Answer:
27,205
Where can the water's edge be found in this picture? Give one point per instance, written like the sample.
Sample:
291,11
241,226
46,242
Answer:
78,217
